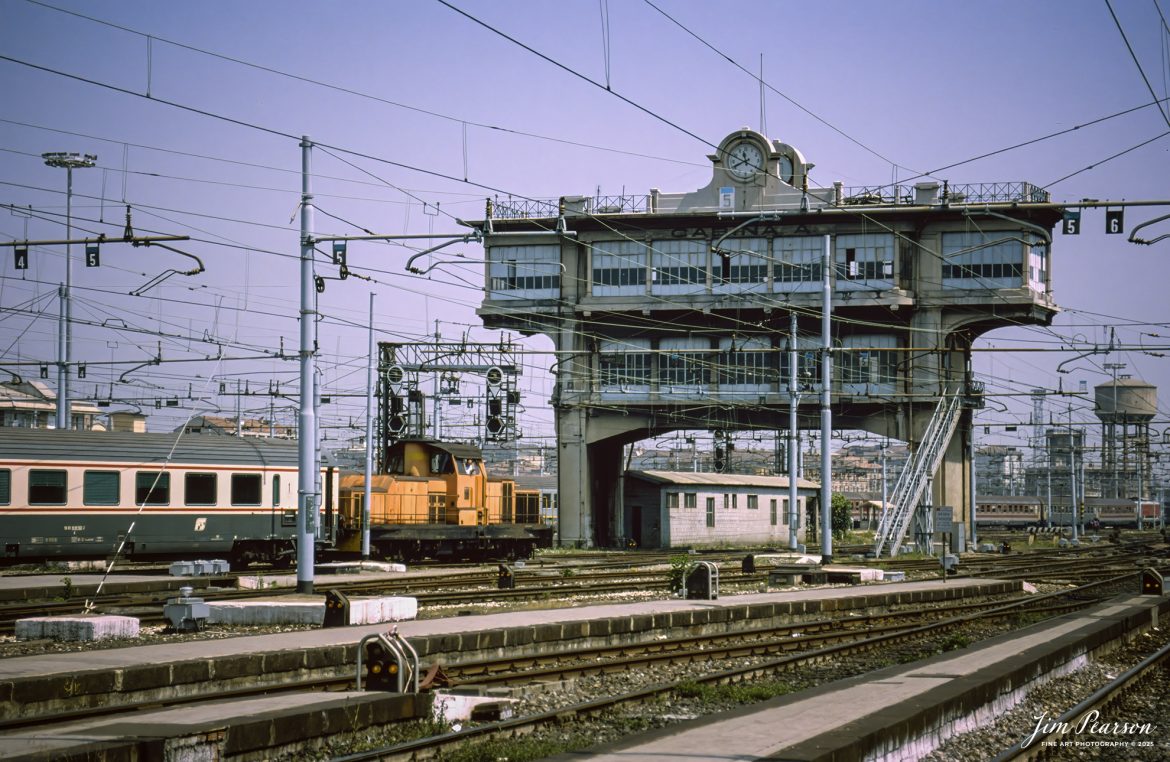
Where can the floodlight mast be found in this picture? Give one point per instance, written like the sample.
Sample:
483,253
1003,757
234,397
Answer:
68,162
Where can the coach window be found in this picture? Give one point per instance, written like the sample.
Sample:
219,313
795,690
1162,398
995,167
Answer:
246,489
5,486
199,489
46,487
276,490
101,488
152,488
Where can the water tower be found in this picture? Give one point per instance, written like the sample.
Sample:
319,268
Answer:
1125,406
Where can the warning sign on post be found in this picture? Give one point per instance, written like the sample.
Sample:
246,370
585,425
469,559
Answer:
944,519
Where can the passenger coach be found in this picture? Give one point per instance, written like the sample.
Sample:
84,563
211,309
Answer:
79,494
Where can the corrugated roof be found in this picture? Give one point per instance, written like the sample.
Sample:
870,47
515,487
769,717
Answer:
456,449
133,447
721,480
532,481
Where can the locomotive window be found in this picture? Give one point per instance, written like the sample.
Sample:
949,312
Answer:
246,489
101,488
199,489
152,488
394,465
5,486
46,487
441,463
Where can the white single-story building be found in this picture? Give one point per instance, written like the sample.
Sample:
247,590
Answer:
664,509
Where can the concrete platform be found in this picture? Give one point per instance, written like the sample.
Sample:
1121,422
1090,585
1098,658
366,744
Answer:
901,712
256,728
27,587
357,567
34,685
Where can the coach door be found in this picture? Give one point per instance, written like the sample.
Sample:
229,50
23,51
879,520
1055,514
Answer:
328,528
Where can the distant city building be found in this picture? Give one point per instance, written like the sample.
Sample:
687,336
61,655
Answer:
33,405
127,420
247,427
999,470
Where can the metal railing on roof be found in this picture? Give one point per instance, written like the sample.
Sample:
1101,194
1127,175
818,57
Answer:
509,208
968,193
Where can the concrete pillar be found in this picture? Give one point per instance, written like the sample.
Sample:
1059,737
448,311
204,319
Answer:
575,520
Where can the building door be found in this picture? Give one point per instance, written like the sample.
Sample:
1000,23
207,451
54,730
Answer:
636,525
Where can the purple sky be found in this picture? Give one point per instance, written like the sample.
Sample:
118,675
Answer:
907,87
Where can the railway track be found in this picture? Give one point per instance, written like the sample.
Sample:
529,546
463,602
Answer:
1051,740
861,653
903,634
644,574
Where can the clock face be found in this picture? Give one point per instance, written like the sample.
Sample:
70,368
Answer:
786,173
744,161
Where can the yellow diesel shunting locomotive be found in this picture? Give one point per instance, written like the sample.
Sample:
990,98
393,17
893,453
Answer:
436,500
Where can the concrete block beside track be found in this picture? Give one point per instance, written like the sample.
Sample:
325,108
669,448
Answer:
310,611
77,628
385,609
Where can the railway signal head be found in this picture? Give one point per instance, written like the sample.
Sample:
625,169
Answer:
336,609
381,668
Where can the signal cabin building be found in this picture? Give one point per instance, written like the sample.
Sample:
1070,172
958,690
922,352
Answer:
669,509
673,311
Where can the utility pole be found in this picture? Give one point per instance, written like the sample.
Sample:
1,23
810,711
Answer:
793,444
1111,431
1140,488
1072,473
826,404
307,467
369,482
69,162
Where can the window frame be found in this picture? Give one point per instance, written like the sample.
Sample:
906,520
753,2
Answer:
187,488
158,483
256,487
103,472
64,486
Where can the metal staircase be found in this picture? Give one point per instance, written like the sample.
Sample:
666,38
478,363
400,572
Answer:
916,475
